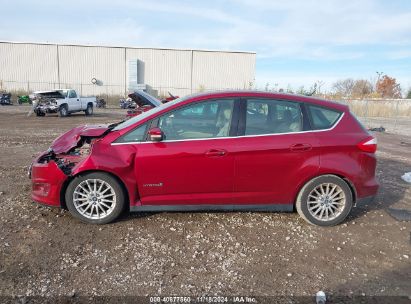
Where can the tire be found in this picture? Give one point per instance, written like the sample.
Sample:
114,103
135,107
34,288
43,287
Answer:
89,110
63,111
325,201
40,114
88,205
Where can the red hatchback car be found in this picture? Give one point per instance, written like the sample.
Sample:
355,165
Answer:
215,151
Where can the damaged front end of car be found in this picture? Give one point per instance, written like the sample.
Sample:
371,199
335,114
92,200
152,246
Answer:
52,169
46,102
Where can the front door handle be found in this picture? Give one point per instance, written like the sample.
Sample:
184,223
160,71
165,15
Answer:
215,153
300,147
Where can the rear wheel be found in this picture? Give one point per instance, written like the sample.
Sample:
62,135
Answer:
95,198
325,201
89,110
63,111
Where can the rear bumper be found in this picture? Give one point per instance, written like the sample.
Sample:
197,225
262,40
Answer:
47,180
364,201
367,190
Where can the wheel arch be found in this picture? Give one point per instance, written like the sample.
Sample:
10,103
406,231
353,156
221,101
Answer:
64,104
69,180
349,183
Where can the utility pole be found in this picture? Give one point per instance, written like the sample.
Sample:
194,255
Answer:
379,74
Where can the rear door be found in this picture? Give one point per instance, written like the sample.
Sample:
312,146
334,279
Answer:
276,152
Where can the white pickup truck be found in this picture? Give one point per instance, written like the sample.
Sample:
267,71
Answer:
62,102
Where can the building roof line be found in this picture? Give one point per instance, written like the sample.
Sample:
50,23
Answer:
127,47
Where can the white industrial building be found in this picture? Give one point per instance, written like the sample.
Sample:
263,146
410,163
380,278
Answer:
96,70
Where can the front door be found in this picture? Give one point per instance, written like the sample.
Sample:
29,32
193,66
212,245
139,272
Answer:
73,101
194,164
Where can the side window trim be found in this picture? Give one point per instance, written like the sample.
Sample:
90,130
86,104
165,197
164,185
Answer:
242,117
307,125
235,118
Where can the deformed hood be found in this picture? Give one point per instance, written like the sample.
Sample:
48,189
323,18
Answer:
64,143
142,99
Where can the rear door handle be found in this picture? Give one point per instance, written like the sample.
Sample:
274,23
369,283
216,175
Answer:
215,153
300,147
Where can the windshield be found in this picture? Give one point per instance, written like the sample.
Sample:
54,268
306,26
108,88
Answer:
142,116
63,92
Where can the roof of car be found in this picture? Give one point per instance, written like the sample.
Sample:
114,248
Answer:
263,94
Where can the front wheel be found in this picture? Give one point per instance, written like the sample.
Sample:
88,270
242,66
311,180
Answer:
63,111
325,201
95,198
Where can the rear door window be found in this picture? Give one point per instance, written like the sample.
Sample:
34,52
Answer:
323,118
268,116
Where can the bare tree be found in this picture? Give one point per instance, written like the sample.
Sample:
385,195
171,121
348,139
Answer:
319,83
361,88
344,87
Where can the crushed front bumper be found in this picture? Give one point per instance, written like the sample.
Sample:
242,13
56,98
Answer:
47,180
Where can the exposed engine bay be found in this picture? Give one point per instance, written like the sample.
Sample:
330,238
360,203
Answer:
66,161
46,102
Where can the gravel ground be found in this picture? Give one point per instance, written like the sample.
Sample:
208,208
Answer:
393,125
47,252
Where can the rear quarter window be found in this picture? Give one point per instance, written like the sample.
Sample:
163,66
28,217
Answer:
323,118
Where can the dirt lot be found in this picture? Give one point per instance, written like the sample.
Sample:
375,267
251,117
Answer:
47,252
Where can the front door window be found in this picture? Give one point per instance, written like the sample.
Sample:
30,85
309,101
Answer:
201,120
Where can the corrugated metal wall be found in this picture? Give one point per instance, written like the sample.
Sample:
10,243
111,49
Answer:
79,64
164,70
221,70
30,66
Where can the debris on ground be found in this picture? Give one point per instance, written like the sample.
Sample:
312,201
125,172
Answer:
379,129
407,177
320,297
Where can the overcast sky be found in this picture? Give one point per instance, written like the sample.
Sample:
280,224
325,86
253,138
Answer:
297,42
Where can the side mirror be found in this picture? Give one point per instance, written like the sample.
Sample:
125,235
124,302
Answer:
155,134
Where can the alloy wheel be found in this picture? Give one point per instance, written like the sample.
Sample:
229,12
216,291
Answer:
94,198
326,201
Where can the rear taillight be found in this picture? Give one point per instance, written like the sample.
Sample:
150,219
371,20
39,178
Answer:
368,145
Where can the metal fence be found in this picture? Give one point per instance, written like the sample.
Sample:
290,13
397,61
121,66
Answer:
394,115
110,92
